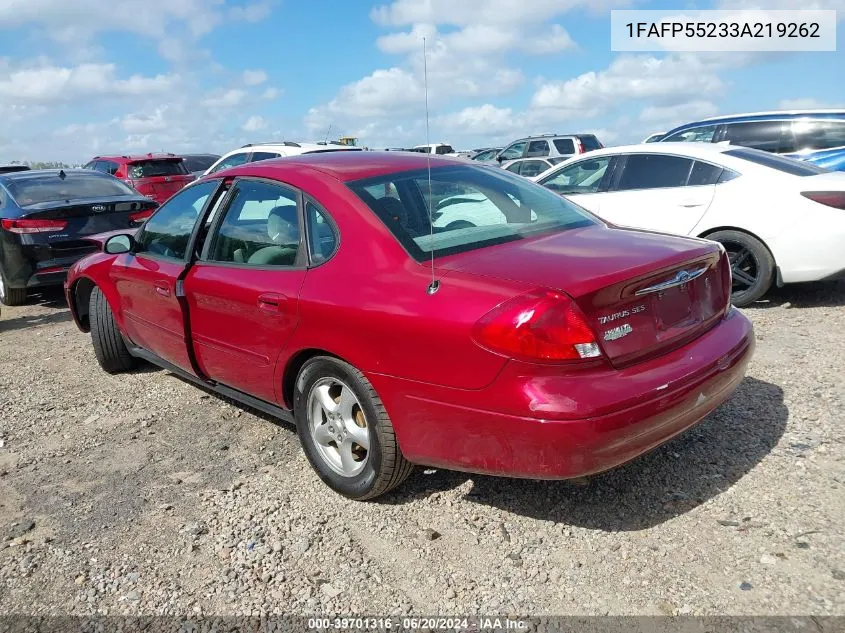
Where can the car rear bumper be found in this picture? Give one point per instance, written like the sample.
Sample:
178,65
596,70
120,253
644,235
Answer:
618,414
39,266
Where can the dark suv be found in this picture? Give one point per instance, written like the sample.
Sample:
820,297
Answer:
157,176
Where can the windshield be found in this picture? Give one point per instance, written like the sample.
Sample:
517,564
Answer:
50,187
151,168
471,207
786,165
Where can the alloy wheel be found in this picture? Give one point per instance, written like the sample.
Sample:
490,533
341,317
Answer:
745,269
338,426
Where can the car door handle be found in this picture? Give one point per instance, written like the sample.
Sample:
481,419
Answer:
271,302
162,288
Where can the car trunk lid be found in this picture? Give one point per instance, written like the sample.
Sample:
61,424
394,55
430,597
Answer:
644,293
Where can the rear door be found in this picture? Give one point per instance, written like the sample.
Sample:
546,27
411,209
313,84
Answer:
158,178
147,279
243,292
651,191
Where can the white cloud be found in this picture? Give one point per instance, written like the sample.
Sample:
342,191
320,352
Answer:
226,99
56,84
253,12
667,117
254,77
270,93
667,81
254,123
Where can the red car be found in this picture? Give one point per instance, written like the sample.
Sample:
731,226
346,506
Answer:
408,309
157,176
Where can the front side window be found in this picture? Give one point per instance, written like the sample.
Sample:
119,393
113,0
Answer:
260,228
513,151
231,161
538,148
168,231
76,185
263,156
816,135
489,154
702,134
470,208
585,176
654,171
515,167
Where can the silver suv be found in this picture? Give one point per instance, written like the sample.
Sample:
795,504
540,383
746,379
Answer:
549,145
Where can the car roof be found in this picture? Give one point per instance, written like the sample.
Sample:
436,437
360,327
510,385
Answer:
348,166
772,115
133,157
40,173
693,150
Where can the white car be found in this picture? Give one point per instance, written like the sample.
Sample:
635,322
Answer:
265,151
780,220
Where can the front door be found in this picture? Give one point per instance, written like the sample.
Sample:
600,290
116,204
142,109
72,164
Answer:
243,292
146,279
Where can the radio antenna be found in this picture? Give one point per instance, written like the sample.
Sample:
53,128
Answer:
326,140
434,286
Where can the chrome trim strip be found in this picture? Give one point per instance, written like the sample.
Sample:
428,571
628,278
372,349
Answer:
681,278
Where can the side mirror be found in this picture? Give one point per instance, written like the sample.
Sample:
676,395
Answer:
118,244
500,158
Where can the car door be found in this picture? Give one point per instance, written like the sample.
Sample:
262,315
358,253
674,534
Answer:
652,191
243,292
584,182
146,279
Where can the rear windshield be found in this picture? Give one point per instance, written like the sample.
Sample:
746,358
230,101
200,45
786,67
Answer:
151,168
589,142
75,186
199,163
786,165
471,207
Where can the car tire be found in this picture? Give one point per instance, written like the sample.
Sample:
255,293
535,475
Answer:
109,347
367,473
752,266
11,296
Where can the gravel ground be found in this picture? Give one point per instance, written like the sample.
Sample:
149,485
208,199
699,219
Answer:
141,494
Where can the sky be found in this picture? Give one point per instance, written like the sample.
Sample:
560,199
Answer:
78,79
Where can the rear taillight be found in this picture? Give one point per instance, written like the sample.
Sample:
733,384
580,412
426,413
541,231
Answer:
579,146
727,278
537,326
835,199
34,226
140,216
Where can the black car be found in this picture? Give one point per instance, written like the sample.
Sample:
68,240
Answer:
45,215
197,164
8,169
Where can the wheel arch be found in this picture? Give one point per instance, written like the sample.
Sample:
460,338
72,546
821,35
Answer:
80,293
716,229
292,367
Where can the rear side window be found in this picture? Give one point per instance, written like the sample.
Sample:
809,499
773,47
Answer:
818,134
153,168
263,156
444,149
515,167
781,163
565,145
704,174
322,240
654,171
701,134
538,148
590,142
768,136
75,186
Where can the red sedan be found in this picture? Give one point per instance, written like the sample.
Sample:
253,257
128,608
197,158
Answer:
405,309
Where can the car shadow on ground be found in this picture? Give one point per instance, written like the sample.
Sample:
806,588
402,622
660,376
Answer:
665,483
33,320
819,294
